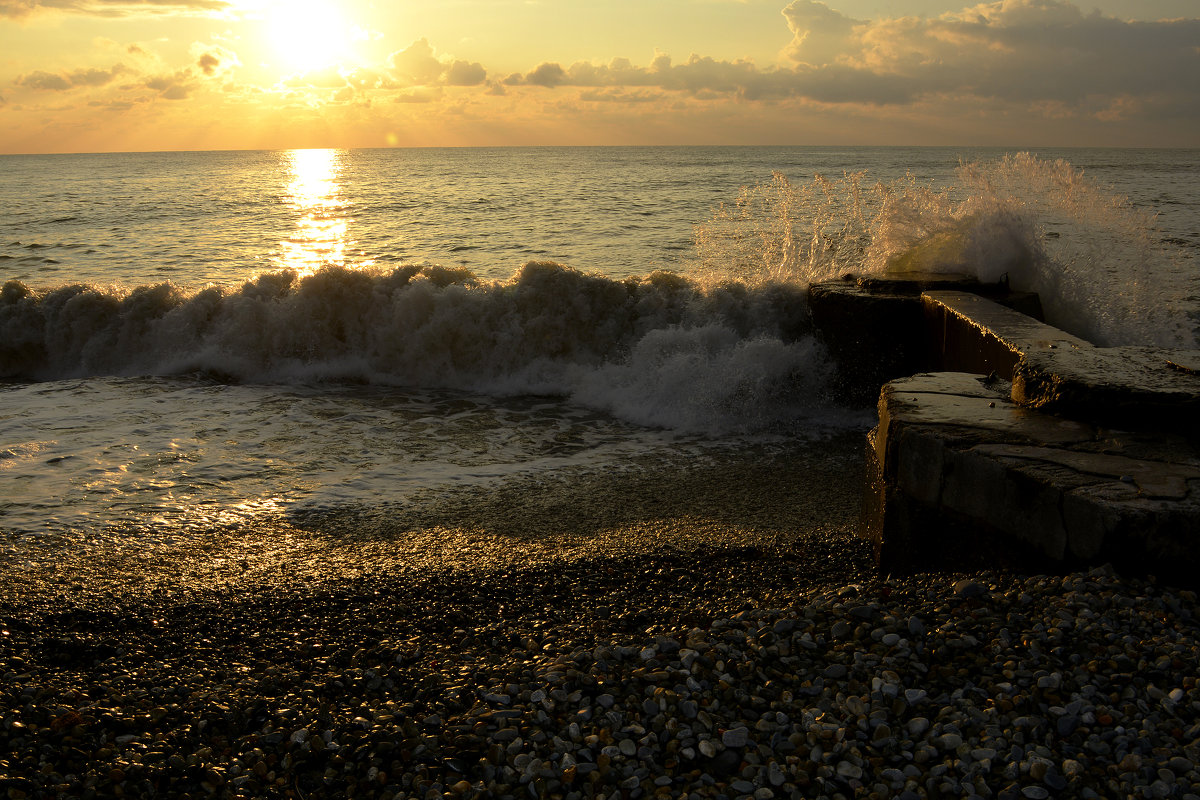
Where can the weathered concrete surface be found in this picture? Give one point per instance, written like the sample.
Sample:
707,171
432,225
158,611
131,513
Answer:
875,327
1131,386
962,475
969,333
1055,372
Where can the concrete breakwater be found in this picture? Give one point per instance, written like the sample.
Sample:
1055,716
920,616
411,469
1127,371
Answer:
1005,441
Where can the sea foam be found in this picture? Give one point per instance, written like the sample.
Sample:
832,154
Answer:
659,350
1101,266
724,346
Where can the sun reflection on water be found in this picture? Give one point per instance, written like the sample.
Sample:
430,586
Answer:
322,214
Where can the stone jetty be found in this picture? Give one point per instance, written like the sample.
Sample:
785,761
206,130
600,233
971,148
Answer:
1003,440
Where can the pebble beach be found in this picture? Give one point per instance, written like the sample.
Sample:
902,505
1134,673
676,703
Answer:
698,636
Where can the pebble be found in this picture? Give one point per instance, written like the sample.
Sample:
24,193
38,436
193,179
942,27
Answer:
1081,685
735,737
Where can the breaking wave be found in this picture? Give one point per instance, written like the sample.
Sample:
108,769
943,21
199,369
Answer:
1101,266
658,350
725,347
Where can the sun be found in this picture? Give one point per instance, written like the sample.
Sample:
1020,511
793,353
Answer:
309,35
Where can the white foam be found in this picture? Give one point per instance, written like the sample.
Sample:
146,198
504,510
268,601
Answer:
709,380
1100,265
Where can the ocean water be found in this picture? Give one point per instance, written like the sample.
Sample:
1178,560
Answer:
192,342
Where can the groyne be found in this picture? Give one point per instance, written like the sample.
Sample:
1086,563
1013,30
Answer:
1004,441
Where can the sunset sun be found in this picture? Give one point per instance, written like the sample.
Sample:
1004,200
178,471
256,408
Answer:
310,35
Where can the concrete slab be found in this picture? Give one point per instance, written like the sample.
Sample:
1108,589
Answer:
875,329
1185,360
1132,386
970,333
997,416
1151,478
962,476
1056,372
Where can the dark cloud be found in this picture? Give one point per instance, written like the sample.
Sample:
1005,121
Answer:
465,73
45,81
1020,51
213,60
110,8
177,86
548,75
208,63
114,105
1039,54
60,82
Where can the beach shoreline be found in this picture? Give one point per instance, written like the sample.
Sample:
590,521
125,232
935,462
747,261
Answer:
697,633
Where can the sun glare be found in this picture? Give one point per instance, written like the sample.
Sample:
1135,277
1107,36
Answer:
309,35
321,213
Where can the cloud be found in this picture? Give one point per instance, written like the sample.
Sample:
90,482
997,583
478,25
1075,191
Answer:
45,81
363,79
619,96
1022,53
418,95
110,8
465,73
61,82
550,75
819,33
213,60
176,86
417,65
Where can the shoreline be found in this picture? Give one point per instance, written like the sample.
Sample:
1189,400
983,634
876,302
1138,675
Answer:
650,636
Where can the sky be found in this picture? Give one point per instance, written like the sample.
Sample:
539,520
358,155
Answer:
139,75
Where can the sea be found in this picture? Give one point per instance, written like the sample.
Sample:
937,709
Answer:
195,342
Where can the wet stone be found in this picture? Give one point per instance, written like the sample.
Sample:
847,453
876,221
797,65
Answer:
953,710
735,737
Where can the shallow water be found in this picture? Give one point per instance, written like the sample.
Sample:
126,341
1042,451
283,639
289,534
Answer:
311,359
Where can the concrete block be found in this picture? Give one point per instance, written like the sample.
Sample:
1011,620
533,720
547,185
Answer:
920,465
965,466
874,327
932,399
970,333
1143,387
1089,524
960,471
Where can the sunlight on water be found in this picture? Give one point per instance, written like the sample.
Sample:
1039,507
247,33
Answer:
322,221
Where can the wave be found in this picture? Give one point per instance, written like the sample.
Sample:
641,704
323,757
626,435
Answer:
1102,267
659,350
727,346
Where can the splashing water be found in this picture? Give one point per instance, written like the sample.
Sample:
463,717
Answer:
1099,264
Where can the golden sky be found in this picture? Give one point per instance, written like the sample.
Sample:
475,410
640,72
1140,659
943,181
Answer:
132,75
